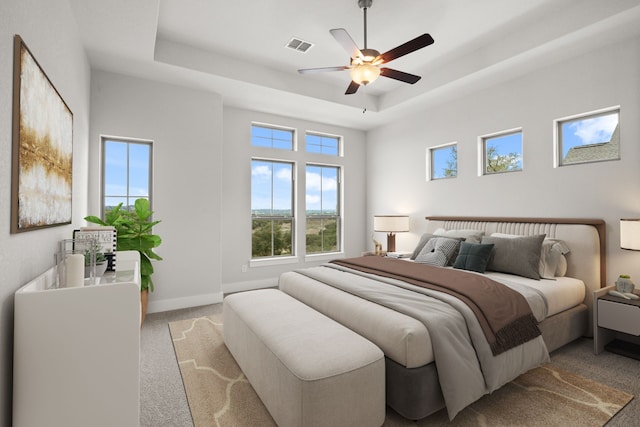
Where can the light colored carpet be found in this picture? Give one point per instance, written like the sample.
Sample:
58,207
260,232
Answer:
219,394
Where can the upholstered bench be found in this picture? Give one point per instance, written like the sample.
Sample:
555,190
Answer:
308,369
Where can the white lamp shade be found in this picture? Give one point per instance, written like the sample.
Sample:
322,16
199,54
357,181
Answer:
391,223
630,234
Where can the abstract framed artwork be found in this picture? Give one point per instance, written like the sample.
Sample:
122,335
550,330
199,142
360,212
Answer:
42,157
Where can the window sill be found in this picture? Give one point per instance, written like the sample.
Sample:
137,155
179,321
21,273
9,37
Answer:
265,262
323,257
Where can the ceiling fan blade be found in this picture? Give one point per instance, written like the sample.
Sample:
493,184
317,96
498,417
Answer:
353,88
323,69
408,47
399,75
345,40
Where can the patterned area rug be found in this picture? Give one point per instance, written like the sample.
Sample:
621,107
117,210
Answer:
220,395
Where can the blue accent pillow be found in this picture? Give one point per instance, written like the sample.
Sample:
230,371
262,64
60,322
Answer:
473,256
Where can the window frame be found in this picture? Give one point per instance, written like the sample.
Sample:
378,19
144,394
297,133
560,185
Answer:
430,161
104,139
558,147
294,146
293,217
482,151
337,216
338,138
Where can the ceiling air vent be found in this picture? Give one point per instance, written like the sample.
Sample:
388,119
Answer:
299,45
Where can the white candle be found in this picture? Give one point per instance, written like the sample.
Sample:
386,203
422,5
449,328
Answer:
75,270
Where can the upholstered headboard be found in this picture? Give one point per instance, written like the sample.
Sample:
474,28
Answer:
585,238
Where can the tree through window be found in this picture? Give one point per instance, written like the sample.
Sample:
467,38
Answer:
502,152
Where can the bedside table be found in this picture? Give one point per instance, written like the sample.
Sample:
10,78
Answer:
614,315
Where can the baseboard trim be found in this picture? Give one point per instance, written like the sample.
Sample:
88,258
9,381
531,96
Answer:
157,306
183,302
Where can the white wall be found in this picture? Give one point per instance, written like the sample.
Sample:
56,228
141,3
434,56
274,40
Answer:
609,190
49,30
236,196
185,126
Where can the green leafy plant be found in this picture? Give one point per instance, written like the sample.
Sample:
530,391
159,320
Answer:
134,233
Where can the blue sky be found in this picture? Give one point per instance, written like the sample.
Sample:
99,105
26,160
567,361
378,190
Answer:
117,173
265,176
321,187
441,157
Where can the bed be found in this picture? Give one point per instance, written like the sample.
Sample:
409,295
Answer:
393,316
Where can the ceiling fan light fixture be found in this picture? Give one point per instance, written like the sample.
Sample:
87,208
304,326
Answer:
364,67
364,74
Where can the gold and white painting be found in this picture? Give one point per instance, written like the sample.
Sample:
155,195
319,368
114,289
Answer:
42,148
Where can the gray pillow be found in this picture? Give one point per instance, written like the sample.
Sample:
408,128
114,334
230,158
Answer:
438,251
552,258
519,256
423,241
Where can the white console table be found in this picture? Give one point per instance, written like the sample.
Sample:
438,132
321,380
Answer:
77,352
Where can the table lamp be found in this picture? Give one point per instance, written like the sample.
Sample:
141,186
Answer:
630,234
391,224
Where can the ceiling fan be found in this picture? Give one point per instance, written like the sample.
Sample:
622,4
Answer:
365,63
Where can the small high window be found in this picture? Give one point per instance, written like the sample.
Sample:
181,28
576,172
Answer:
502,152
589,137
442,162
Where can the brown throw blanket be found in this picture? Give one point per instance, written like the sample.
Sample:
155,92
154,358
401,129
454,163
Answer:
504,315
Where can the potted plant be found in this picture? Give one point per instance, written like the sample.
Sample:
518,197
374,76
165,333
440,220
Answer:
134,233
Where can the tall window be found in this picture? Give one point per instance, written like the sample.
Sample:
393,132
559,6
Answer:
272,213
322,209
276,200
502,152
323,144
126,172
589,137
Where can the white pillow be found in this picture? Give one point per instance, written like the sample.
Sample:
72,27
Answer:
561,271
552,257
469,236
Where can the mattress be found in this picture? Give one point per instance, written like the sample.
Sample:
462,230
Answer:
561,293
